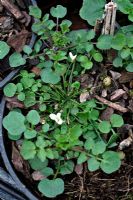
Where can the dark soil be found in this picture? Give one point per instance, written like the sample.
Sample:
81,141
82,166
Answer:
16,32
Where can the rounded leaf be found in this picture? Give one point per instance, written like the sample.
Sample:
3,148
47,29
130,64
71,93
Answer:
33,117
104,127
98,57
129,67
92,10
49,76
29,134
117,62
16,60
116,120
93,164
99,148
28,150
4,49
58,11
111,162
35,11
10,90
51,188
45,128
14,123
104,42
118,41
67,168
37,164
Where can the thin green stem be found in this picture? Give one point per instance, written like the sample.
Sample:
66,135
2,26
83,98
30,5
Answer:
71,76
57,171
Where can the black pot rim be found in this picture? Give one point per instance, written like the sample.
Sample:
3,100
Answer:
12,74
6,160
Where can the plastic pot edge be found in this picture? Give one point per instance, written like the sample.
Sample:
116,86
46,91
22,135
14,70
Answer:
7,163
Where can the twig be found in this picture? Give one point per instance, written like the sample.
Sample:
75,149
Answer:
112,105
109,18
112,29
12,9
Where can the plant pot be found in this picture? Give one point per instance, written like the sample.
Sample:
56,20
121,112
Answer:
13,73
6,159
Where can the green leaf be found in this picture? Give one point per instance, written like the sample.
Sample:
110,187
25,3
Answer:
16,60
117,62
129,67
38,46
104,126
19,87
60,69
92,10
93,115
47,171
116,120
66,22
82,158
118,41
99,148
125,53
130,41
10,90
37,164
90,34
111,162
51,188
58,11
89,144
97,57
87,65
27,49
93,164
28,150
29,134
49,76
29,99
35,12
14,137
124,6
75,132
130,17
14,123
67,168
40,142
104,42
21,96
49,154
4,49
90,134
45,128
42,107
33,117
41,154
82,117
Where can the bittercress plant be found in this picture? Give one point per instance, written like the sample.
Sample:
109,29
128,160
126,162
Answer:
58,131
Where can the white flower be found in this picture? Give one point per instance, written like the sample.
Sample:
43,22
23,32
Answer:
56,118
73,57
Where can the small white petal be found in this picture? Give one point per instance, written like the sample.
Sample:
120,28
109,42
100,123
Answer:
59,115
52,116
73,57
56,118
60,121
